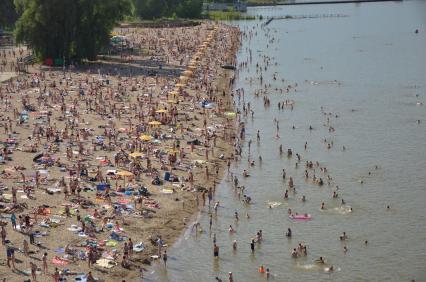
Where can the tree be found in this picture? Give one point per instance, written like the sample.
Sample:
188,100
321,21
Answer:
154,9
70,29
8,14
189,9
151,9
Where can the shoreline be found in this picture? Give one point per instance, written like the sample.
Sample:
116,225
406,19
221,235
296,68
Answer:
251,4
176,210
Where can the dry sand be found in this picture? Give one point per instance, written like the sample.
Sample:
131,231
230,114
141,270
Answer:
177,210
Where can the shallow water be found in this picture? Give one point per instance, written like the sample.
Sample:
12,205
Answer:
379,64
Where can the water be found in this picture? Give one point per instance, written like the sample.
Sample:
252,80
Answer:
379,64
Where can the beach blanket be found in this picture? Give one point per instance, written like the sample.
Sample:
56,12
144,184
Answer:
106,263
59,261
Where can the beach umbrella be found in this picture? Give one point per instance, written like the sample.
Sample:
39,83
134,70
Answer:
161,111
174,93
154,122
180,85
137,154
187,73
172,101
146,138
183,78
230,114
125,174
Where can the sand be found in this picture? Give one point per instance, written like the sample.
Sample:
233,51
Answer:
122,80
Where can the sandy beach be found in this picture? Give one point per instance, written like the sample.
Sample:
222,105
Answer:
104,165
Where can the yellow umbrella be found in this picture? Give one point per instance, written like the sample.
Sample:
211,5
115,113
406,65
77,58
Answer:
180,85
154,122
124,173
145,138
172,101
230,114
174,93
136,155
171,151
187,72
183,78
161,111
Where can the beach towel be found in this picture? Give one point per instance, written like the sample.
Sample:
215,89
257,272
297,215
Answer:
106,263
59,261
111,243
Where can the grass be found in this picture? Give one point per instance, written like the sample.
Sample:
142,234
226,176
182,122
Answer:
227,15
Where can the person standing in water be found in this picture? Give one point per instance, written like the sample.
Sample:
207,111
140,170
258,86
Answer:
216,251
165,258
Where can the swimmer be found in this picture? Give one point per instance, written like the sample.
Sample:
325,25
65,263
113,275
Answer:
320,260
231,229
345,249
236,215
343,236
303,198
247,216
261,269
294,253
289,233
234,245
322,206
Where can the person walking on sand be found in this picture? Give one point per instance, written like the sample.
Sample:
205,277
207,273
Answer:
44,259
26,248
56,275
33,271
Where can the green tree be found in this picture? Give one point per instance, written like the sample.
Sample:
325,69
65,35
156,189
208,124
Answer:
189,9
151,9
70,29
154,9
8,14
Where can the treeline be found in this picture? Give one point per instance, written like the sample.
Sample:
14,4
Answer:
72,30
155,9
